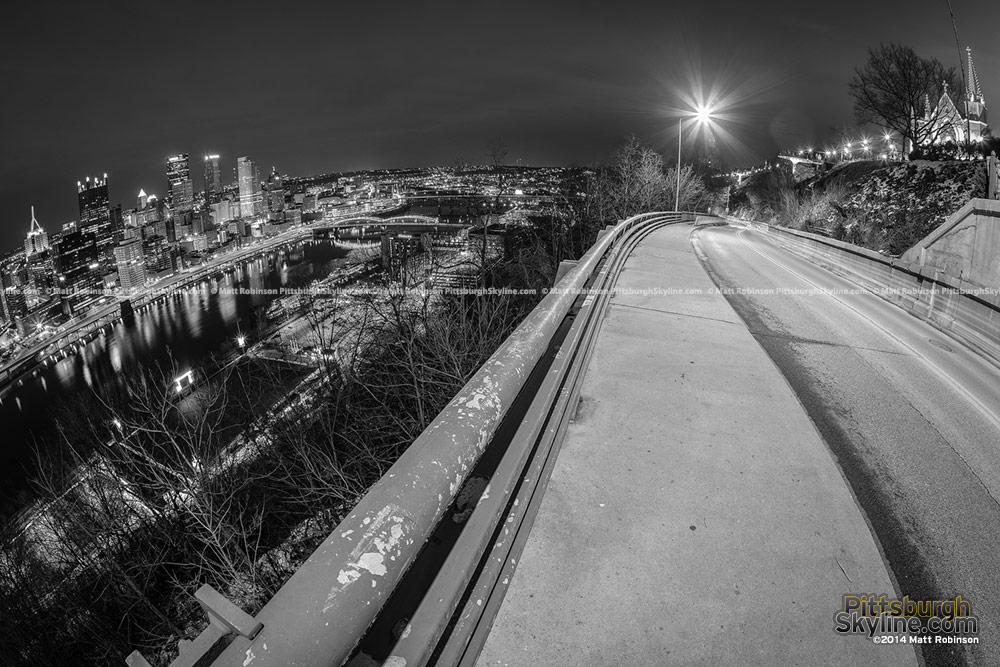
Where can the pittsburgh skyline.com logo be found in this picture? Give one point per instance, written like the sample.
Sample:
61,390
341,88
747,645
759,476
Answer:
886,620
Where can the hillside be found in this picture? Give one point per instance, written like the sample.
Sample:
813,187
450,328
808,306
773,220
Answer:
887,208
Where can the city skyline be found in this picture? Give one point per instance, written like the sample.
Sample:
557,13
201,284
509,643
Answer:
363,89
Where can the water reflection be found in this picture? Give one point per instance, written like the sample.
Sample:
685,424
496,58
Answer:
187,328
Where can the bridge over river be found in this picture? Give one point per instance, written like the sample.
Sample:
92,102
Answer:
690,451
360,227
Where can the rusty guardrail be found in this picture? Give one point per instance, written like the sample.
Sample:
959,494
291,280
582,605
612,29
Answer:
322,611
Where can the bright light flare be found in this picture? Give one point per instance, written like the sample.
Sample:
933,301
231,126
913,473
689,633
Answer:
703,113
732,101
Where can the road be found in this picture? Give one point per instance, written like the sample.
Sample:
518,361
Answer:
912,416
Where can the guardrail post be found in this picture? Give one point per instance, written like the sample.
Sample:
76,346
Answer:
224,618
603,232
135,659
224,614
565,267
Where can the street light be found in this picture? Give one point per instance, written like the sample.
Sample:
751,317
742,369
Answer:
702,114
889,147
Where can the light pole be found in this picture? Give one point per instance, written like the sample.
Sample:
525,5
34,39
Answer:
677,196
702,115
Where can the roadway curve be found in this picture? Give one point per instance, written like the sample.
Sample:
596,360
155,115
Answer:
912,416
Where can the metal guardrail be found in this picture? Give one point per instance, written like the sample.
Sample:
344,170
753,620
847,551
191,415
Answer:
501,521
323,610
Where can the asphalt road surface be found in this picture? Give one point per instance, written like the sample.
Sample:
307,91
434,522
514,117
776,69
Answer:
912,416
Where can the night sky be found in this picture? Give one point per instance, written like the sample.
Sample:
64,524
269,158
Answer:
95,87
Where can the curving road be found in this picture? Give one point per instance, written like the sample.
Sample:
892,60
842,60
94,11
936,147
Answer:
912,416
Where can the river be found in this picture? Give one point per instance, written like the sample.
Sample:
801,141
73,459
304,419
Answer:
184,329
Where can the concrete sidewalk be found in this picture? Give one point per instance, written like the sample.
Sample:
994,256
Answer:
694,516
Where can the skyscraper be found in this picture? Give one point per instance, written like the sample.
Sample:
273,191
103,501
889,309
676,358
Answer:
213,179
77,268
251,196
95,218
131,264
37,262
179,183
37,240
275,194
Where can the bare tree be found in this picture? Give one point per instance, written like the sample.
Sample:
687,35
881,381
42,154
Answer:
638,182
498,157
695,195
898,90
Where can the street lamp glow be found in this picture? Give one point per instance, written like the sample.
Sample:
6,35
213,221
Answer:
703,114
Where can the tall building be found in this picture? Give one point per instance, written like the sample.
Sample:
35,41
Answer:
143,199
275,194
37,262
251,196
95,218
179,184
224,210
213,179
15,306
37,240
117,217
158,254
131,264
77,266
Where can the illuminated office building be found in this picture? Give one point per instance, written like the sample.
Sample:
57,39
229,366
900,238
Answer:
96,219
131,264
213,180
251,196
75,258
179,183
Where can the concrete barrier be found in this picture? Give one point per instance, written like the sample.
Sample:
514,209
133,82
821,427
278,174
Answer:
968,312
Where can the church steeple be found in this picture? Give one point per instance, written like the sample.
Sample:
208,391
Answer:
975,103
974,92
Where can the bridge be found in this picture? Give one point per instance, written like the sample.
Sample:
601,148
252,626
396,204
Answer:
363,226
804,165
704,437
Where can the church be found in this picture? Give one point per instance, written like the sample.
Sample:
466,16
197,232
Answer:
947,124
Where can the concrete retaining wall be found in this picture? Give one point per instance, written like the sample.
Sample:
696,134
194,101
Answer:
966,246
964,309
